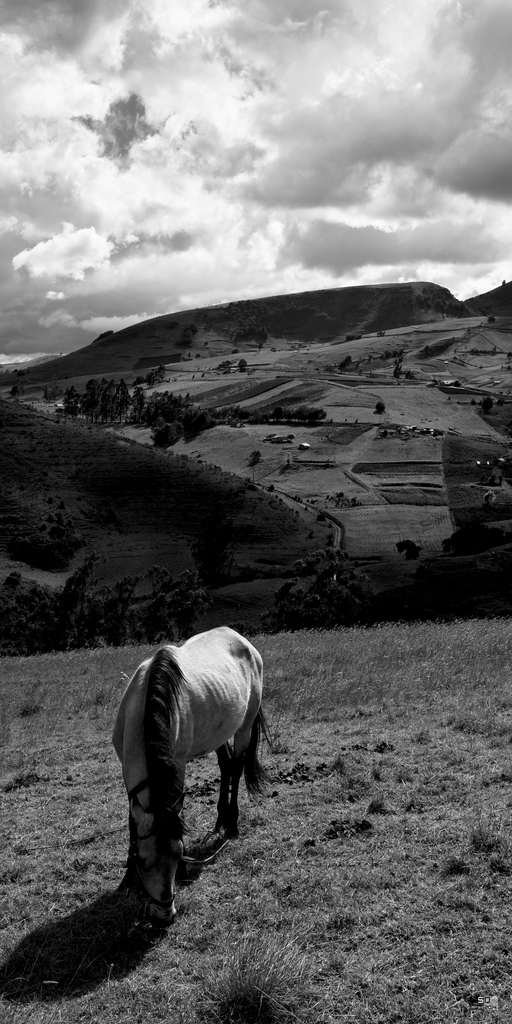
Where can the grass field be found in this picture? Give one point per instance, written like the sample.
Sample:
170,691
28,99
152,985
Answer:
370,885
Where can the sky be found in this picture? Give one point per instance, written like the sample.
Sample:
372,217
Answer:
159,156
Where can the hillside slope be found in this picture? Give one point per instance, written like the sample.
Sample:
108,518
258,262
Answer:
497,302
134,506
306,317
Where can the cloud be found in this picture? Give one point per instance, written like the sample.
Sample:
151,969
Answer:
69,254
214,150
63,25
339,248
58,319
480,164
114,323
123,125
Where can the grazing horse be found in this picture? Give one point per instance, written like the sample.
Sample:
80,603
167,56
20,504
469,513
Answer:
180,704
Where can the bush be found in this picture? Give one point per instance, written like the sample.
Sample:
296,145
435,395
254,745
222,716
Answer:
48,549
333,594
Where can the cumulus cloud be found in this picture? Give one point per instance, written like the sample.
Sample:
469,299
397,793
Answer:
69,254
54,295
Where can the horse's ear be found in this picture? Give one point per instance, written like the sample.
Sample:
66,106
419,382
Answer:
144,820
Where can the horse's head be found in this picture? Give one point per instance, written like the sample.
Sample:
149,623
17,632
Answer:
156,853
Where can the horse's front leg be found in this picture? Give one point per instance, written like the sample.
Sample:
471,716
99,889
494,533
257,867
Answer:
130,877
224,759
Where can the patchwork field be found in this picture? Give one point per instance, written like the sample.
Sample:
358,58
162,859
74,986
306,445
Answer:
405,485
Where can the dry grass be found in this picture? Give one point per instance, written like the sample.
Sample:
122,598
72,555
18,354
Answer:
371,884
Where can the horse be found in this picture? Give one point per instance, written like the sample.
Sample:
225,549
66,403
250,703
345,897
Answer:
180,704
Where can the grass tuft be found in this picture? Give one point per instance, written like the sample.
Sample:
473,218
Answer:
378,806
262,980
455,866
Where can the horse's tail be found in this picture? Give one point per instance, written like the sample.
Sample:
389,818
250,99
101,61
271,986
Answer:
256,776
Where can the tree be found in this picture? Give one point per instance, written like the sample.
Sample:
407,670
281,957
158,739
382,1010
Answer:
254,458
242,365
90,402
72,401
487,404
16,391
214,548
333,595
139,401
173,603
164,434
122,399
380,407
409,549
108,400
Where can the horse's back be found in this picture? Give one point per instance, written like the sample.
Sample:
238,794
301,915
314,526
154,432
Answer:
223,683
216,651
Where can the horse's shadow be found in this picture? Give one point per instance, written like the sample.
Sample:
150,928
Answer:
72,955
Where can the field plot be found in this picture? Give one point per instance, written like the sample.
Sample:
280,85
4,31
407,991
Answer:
296,393
239,391
345,396
410,472
410,494
230,448
469,465
344,435
410,447
376,530
430,407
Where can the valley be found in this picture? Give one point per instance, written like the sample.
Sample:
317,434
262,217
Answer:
374,470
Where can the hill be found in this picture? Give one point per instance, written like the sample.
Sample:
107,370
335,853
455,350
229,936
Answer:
371,882
497,302
135,507
303,318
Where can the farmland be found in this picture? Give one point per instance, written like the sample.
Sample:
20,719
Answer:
374,874
399,402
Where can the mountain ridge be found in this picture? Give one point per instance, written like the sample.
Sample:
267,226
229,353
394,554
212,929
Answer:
298,318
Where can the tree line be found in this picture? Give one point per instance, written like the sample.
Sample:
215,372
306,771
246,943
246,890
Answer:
169,415
324,592
87,613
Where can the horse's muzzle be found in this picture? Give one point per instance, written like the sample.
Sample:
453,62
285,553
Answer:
158,916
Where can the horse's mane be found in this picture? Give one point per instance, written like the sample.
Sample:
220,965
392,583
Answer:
164,683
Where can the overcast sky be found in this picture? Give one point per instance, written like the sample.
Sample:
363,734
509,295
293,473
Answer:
158,156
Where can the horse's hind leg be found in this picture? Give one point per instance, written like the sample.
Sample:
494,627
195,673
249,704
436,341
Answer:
237,766
225,762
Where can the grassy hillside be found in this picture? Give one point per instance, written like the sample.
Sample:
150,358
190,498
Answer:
134,506
497,302
305,317
371,884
